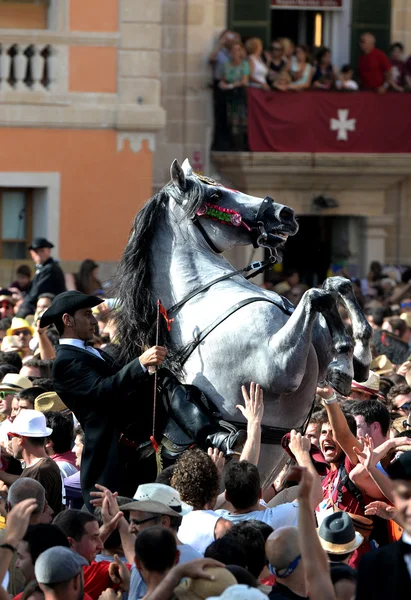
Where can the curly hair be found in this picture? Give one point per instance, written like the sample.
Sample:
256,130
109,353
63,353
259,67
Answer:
196,478
396,390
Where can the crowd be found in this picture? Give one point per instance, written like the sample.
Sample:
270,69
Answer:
289,67
335,524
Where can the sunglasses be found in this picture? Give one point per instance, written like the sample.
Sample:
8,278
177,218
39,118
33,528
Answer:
22,332
11,435
406,406
5,394
135,522
405,304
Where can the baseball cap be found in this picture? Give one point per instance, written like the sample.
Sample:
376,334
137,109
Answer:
58,564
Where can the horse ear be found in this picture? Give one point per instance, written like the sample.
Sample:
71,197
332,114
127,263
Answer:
177,174
187,168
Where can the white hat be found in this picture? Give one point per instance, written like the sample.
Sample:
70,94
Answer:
240,592
30,423
158,498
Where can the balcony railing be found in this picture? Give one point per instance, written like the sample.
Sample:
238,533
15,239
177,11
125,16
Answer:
27,67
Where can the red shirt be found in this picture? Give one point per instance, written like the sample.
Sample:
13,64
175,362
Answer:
85,597
372,67
96,579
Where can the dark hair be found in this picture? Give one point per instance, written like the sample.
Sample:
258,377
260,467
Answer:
85,280
265,528
5,323
323,418
397,45
338,558
156,548
227,550
196,478
165,476
41,537
11,358
63,431
72,522
378,315
44,366
305,49
406,433
406,275
44,382
243,576
242,484
39,442
396,390
79,432
24,270
5,369
373,411
253,543
338,572
30,394
46,295
346,68
321,52
397,324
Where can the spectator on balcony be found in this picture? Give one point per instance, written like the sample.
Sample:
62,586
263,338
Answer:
374,67
398,70
324,74
345,79
282,81
234,82
221,53
289,48
258,70
275,61
300,69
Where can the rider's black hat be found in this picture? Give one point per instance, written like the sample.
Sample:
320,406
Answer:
67,302
40,243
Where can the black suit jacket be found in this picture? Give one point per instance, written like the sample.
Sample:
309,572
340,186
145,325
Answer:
105,399
50,278
383,575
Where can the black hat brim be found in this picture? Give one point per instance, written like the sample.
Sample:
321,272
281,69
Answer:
67,302
40,243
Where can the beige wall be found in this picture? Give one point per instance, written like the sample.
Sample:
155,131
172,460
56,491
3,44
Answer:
401,23
189,28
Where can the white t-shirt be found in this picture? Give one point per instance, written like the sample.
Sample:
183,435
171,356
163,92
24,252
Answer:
138,588
197,529
283,515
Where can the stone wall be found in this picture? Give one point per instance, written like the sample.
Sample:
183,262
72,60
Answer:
401,23
189,29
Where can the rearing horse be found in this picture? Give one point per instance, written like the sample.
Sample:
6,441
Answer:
233,332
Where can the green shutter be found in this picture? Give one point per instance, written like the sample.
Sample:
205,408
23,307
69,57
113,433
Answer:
373,16
251,18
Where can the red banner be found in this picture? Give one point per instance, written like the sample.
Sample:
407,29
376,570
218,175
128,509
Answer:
328,122
307,3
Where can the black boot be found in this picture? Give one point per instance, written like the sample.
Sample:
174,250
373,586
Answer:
198,418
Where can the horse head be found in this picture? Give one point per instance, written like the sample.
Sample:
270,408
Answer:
227,217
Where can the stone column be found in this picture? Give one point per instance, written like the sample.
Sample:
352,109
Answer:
375,235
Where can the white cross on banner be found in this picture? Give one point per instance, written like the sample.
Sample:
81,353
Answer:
343,124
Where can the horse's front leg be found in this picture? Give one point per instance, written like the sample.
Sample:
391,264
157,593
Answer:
291,344
362,330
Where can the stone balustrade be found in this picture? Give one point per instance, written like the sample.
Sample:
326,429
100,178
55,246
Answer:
27,67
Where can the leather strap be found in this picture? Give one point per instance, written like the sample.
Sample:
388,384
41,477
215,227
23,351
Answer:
203,334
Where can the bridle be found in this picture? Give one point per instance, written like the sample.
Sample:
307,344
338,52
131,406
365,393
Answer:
254,226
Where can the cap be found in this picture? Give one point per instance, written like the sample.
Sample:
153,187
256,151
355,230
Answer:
40,242
58,564
30,423
159,499
67,302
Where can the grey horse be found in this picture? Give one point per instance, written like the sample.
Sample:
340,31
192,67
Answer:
234,332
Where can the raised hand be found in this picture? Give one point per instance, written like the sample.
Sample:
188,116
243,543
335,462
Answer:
367,457
18,521
119,574
380,509
298,443
217,458
253,410
99,496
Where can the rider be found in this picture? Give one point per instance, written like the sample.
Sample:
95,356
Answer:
111,402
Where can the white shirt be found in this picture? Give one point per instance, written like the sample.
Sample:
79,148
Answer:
283,515
197,529
406,538
80,344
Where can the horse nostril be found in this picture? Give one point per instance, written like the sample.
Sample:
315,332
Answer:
286,213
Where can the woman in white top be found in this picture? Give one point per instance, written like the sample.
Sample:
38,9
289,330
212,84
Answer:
300,70
258,70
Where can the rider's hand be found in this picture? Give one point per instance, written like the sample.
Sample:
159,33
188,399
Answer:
153,357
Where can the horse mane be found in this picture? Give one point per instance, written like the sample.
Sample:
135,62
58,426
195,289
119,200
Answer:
136,312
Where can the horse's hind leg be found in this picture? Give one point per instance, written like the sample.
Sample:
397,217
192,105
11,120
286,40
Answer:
362,330
340,371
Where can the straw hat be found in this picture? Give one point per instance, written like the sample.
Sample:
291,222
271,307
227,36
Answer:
381,365
337,534
371,386
18,324
15,383
200,589
159,499
49,401
406,316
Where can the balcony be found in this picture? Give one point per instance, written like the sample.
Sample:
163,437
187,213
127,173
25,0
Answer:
30,67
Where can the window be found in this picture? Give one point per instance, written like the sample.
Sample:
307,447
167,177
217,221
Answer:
23,14
16,208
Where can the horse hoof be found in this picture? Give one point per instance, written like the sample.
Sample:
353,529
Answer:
340,381
361,372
